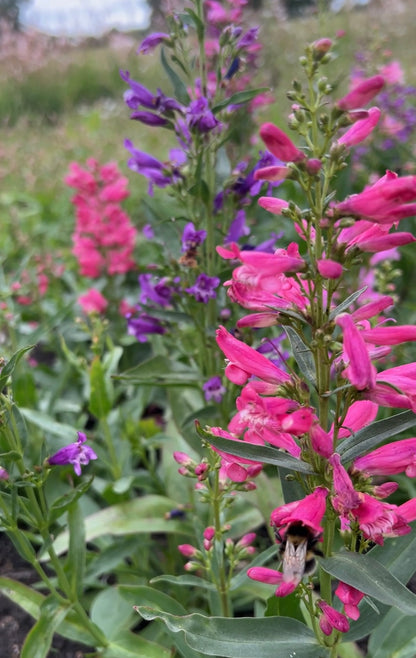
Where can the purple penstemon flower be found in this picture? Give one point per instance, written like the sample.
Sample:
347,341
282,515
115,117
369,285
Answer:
200,117
214,389
248,38
137,94
204,288
148,118
151,41
148,166
158,292
192,238
144,325
238,228
76,454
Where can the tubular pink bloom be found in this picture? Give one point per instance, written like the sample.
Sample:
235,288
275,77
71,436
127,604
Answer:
402,378
385,490
372,308
382,242
209,533
329,269
385,202
188,550
390,459
360,414
183,459
362,93
389,335
360,370
272,577
331,619
408,510
378,520
273,204
272,173
93,301
3,474
258,320
280,144
282,260
346,498
246,540
361,129
322,45
309,511
265,575
321,441
244,361
350,597
299,422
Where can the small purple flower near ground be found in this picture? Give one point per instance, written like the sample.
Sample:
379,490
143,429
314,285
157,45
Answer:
214,389
77,454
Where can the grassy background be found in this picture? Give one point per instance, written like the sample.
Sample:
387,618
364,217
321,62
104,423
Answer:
72,108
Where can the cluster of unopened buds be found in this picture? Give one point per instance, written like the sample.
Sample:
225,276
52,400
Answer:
235,551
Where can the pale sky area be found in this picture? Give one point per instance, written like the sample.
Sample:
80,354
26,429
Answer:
84,17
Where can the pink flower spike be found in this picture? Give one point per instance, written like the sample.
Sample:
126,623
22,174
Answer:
93,302
408,510
390,459
245,361
361,129
329,269
360,370
362,93
278,143
272,204
360,414
299,422
309,511
346,498
332,619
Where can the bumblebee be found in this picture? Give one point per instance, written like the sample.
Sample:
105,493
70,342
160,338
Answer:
298,549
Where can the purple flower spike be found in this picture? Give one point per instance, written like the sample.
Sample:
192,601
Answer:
204,288
76,454
214,389
153,40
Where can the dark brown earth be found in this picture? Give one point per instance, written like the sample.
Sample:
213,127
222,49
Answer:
15,623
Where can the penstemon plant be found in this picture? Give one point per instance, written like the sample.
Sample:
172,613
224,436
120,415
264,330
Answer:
311,355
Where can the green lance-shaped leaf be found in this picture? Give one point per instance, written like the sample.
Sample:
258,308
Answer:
131,645
141,515
39,639
159,371
256,453
303,355
178,85
100,403
239,98
31,601
346,303
61,504
395,636
77,551
8,369
185,581
369,576
372,435
243,637
398,556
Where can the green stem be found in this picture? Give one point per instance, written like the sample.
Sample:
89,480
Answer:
222,585
114,463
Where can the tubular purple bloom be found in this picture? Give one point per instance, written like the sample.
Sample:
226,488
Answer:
148,118
200,117
204,288
157,291
150,42
192,238
143,325
214,389
76,454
